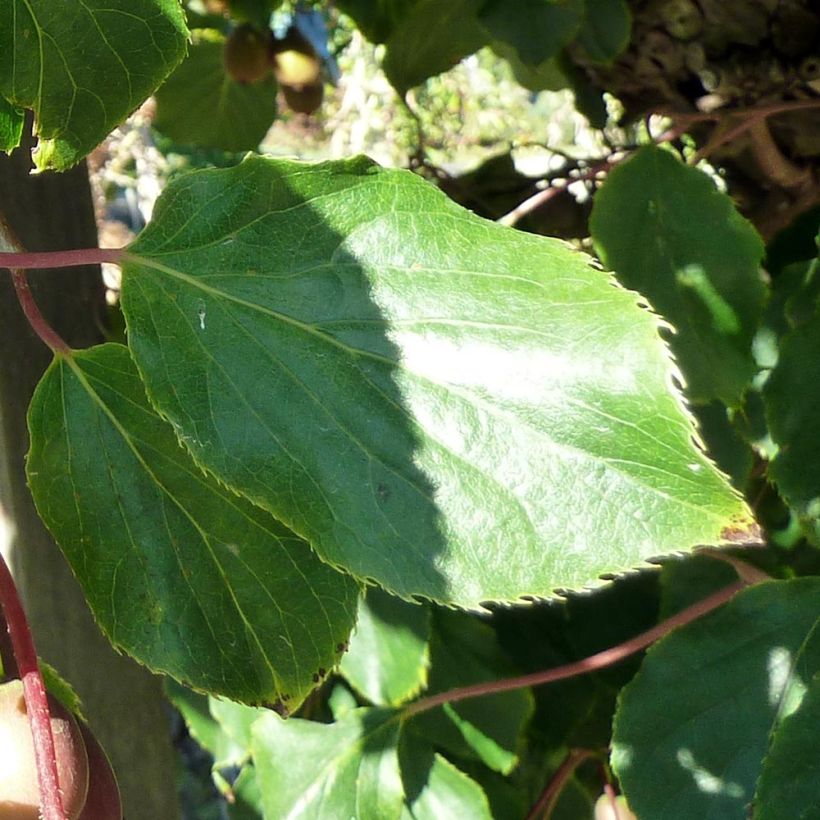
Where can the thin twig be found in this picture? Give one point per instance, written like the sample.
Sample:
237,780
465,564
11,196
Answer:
599,660
545,805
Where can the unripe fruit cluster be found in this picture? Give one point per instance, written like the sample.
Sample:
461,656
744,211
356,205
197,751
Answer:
249,55
87,784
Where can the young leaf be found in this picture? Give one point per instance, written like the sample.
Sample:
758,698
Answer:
84,67
463,651
200,104
388,655
789,784
11,125
179,572
670,234
436,789
316,771
693,728
792,396
203,726
454,409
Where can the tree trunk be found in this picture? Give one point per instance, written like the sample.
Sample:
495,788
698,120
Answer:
122,701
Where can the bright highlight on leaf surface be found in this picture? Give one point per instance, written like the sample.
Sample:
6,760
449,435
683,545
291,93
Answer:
712,700
349,768
454,409
187,577
84,66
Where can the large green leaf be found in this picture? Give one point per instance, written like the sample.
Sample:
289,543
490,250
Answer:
693,728
536,29
430,38
455,409
666,231
180,573
792,398
388,656
789,784
200,104
316,771
84,66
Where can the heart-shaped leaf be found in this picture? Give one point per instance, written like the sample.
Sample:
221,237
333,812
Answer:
455,409
179,572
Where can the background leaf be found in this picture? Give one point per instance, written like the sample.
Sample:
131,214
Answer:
435,788
792,396
693,727
200,104
536,29
667,232
11,125
377,19
188,578
789,784
388,655
316,771
84,67
431,38
451,408
464,651
605,31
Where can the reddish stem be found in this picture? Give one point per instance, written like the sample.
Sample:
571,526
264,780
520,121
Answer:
34,692
60,259
545,805
600,660
38,323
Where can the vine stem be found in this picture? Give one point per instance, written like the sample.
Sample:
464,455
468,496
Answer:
60,259
34,692
545,804
36,319
600,660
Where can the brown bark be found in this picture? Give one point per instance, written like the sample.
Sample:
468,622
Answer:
122,701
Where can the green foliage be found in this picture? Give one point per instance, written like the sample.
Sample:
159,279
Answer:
788,784
432,37
83,67
177,569
346,398
200,104
11,125
792,396
347,769
694,745
389,650
347,392
605,31
671,235
536,29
